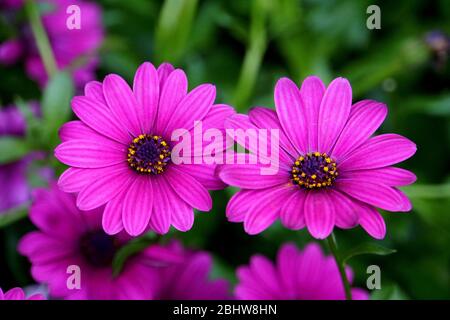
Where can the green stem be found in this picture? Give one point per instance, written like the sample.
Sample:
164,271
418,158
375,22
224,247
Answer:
333,248
42,42
253,56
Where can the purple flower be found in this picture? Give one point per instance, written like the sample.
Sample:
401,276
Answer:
14,188
70,237
331,170
189,279
296,275
120,151
10,51
73,48
19,294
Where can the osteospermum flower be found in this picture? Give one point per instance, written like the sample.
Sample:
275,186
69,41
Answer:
81,58
189,278
68,237
120,151
296,275
19,294
331,170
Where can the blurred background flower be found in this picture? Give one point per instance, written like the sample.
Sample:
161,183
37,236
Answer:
74,49
243,47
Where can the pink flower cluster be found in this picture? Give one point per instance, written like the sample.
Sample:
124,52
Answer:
122,182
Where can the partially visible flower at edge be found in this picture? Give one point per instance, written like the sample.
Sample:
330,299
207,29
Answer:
296,275
189,279
19,294
70,237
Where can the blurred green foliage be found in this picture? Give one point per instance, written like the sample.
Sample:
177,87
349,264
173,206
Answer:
243,47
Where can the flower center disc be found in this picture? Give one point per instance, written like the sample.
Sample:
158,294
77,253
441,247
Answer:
314,171
98,248
148,154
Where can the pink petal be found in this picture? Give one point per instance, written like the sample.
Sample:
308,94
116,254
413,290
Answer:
333,113
287,260
312,91
122,103
15,294
365,118
238,205
372,221
77,130
182,215
347,209
249,176
242,122
312,263
189,189
193,107
146,91
292,213
266,210
291,112
246,134
380,151
74,179
378,195
216,116
265,271
90,154
360,294
174,90
206,174
104,188
137,206
319,214
112,221
94,90
162,206
407,205
389,176
164,70
98,116
265,118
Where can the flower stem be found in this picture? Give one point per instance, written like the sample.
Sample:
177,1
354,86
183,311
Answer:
333,248
42,42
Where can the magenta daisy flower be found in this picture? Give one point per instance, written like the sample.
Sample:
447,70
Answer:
68,237
189,278
296,275
331,170
120,151
19,294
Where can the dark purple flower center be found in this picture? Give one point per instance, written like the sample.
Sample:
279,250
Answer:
314,170
98,248
148,154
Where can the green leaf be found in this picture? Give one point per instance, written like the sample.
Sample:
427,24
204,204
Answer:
366,248
173,29
56,105
13,215
131,248
12,148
